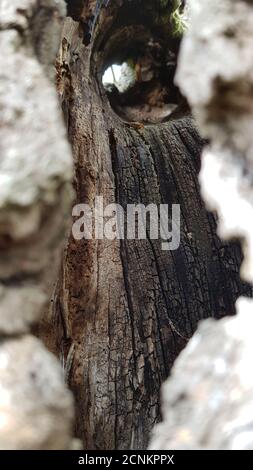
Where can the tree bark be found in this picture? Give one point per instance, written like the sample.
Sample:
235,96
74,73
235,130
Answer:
127,306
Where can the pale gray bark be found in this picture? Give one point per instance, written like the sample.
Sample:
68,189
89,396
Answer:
35,197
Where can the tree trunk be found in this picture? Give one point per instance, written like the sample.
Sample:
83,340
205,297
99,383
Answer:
127,306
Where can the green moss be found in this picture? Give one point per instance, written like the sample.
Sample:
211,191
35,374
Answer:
177,20
178,23
170,15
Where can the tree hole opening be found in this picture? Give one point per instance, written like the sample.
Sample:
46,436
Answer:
142,88
138,60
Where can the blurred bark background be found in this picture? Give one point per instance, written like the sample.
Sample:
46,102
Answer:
36,409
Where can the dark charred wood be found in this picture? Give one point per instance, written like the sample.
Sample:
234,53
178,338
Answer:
128,306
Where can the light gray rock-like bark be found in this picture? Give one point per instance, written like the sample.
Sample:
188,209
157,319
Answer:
36,410
35,172
39,24
216,74
208,401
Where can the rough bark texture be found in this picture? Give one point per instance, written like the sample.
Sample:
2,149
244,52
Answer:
221,101
208,402
128,307
36,409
